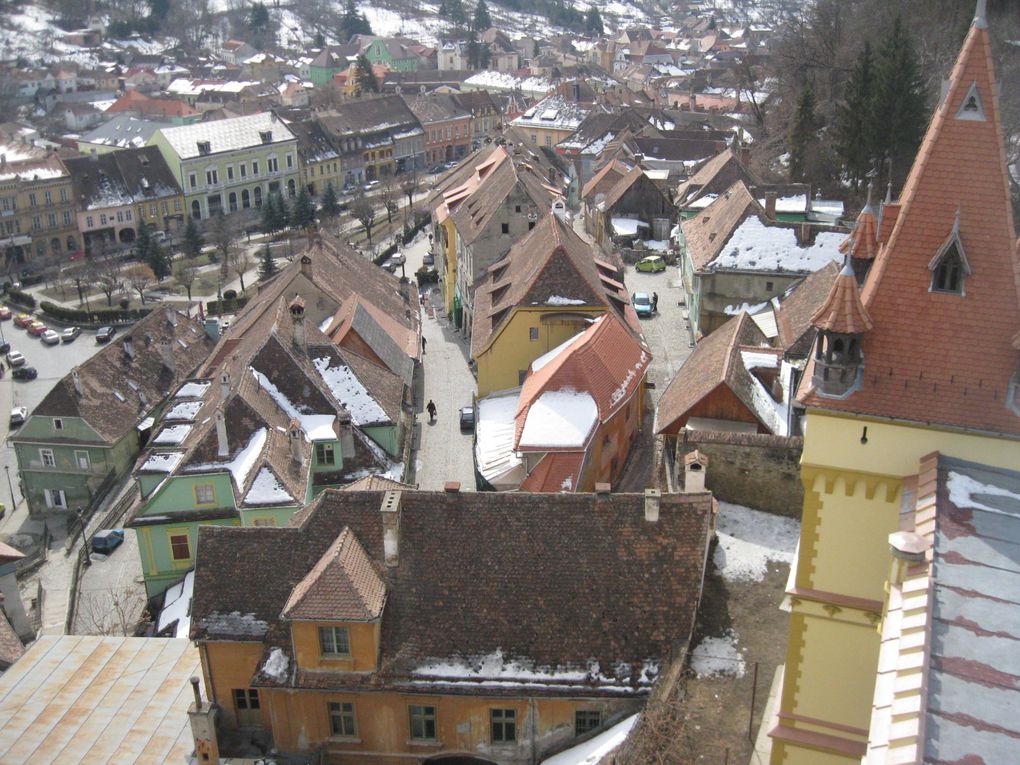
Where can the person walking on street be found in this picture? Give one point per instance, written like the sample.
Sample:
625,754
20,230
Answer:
655,302
431,409
423,344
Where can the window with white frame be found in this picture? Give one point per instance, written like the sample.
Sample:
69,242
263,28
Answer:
46,457
81,458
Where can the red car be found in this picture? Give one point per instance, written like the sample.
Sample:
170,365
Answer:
37,328
23,320
5,313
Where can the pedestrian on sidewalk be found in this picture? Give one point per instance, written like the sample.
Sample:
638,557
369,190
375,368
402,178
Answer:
431,409
655,302
423,345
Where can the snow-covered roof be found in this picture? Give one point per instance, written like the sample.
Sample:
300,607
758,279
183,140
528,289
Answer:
627,226
348,390
241,465
226,135
594,749
267,489
162,462
316,427
495,81
562,418
495,427
177,607
757,247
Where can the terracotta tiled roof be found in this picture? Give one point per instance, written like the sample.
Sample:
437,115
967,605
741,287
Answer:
842,311
606,361
604,179
118,390
708,231
793,317
938,357
9,554
650,577
556,471
714,362
11,648
715,176
342,586
862,244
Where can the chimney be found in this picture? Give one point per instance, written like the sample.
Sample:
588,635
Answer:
223,448
347,439
212,328
770,204
306,266
452,487
129,347
171,317
391,527
203,727
652,498
296,436
76,379
695,467
297,317
224,385
167,354
907,548
602,489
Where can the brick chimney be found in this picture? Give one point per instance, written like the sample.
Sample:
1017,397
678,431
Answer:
306,265
297,317
296,436
652,500
203,727
770,204
391,527
224,384
129,347
695,467
223,448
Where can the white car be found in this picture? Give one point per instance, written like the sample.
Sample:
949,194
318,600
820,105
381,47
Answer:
50,337
15,359
18,416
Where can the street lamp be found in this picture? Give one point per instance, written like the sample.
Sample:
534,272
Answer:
81,529
14,502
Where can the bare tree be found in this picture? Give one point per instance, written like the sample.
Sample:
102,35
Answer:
108,270
139,276
364,211
389,197
223,233
104,612
409,186
185,272
240,263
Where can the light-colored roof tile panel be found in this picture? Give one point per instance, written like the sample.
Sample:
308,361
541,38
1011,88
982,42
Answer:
226,135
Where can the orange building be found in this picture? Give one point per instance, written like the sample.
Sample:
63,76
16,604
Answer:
370,630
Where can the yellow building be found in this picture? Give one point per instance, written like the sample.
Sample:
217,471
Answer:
37,210
551,120
925,358
544,292
403,626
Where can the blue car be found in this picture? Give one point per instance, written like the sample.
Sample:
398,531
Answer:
107,541
642,304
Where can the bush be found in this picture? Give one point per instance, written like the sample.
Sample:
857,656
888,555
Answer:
124,303
98,316
21,298
220,307
230,294
426,276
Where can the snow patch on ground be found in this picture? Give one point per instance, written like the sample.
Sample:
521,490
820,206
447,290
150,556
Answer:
750,539
718,656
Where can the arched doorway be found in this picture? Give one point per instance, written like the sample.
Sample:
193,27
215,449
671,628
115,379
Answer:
196,210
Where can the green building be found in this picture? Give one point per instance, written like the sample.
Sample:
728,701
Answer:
88,430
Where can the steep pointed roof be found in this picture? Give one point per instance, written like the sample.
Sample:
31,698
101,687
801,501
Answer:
941,357
342,585
862,244
842,310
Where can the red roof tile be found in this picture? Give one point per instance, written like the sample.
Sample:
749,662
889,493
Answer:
939,357
842,310
556,471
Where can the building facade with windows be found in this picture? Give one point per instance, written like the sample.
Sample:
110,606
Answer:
37,210
365,631
90,427
231,165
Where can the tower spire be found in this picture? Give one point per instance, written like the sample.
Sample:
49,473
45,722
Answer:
980,15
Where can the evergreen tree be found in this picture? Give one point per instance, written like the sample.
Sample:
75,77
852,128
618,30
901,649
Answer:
270,218
282,214
143,244
267,266
319,41
854,119
193,240
472,51
364,77
160,261
353,23
593,21
898,112
304,209
330,203
802,138
481,20
258,17
457,13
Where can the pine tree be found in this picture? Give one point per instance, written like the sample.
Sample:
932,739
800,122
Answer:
593,21
269,216
330,203
472,52
481,20
457,13
802,138
193,240
899,111
267,266
143,244
282,214
854,119
304,209
364,77
258,17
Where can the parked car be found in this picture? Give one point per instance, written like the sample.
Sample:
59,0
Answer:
104,334
25,373
107,541
69,334
5,348
5,313
18,416
371,185
15,359
653,264
437,169
451,164
467,419
36,328
50,337
23,320
642,304
390,266
428,259
398,258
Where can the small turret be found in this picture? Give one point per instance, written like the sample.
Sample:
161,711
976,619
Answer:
841,322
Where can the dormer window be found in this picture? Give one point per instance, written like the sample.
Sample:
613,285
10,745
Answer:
204,147
949,267
266,136
972,108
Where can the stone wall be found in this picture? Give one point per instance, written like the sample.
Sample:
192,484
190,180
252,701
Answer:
757,470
